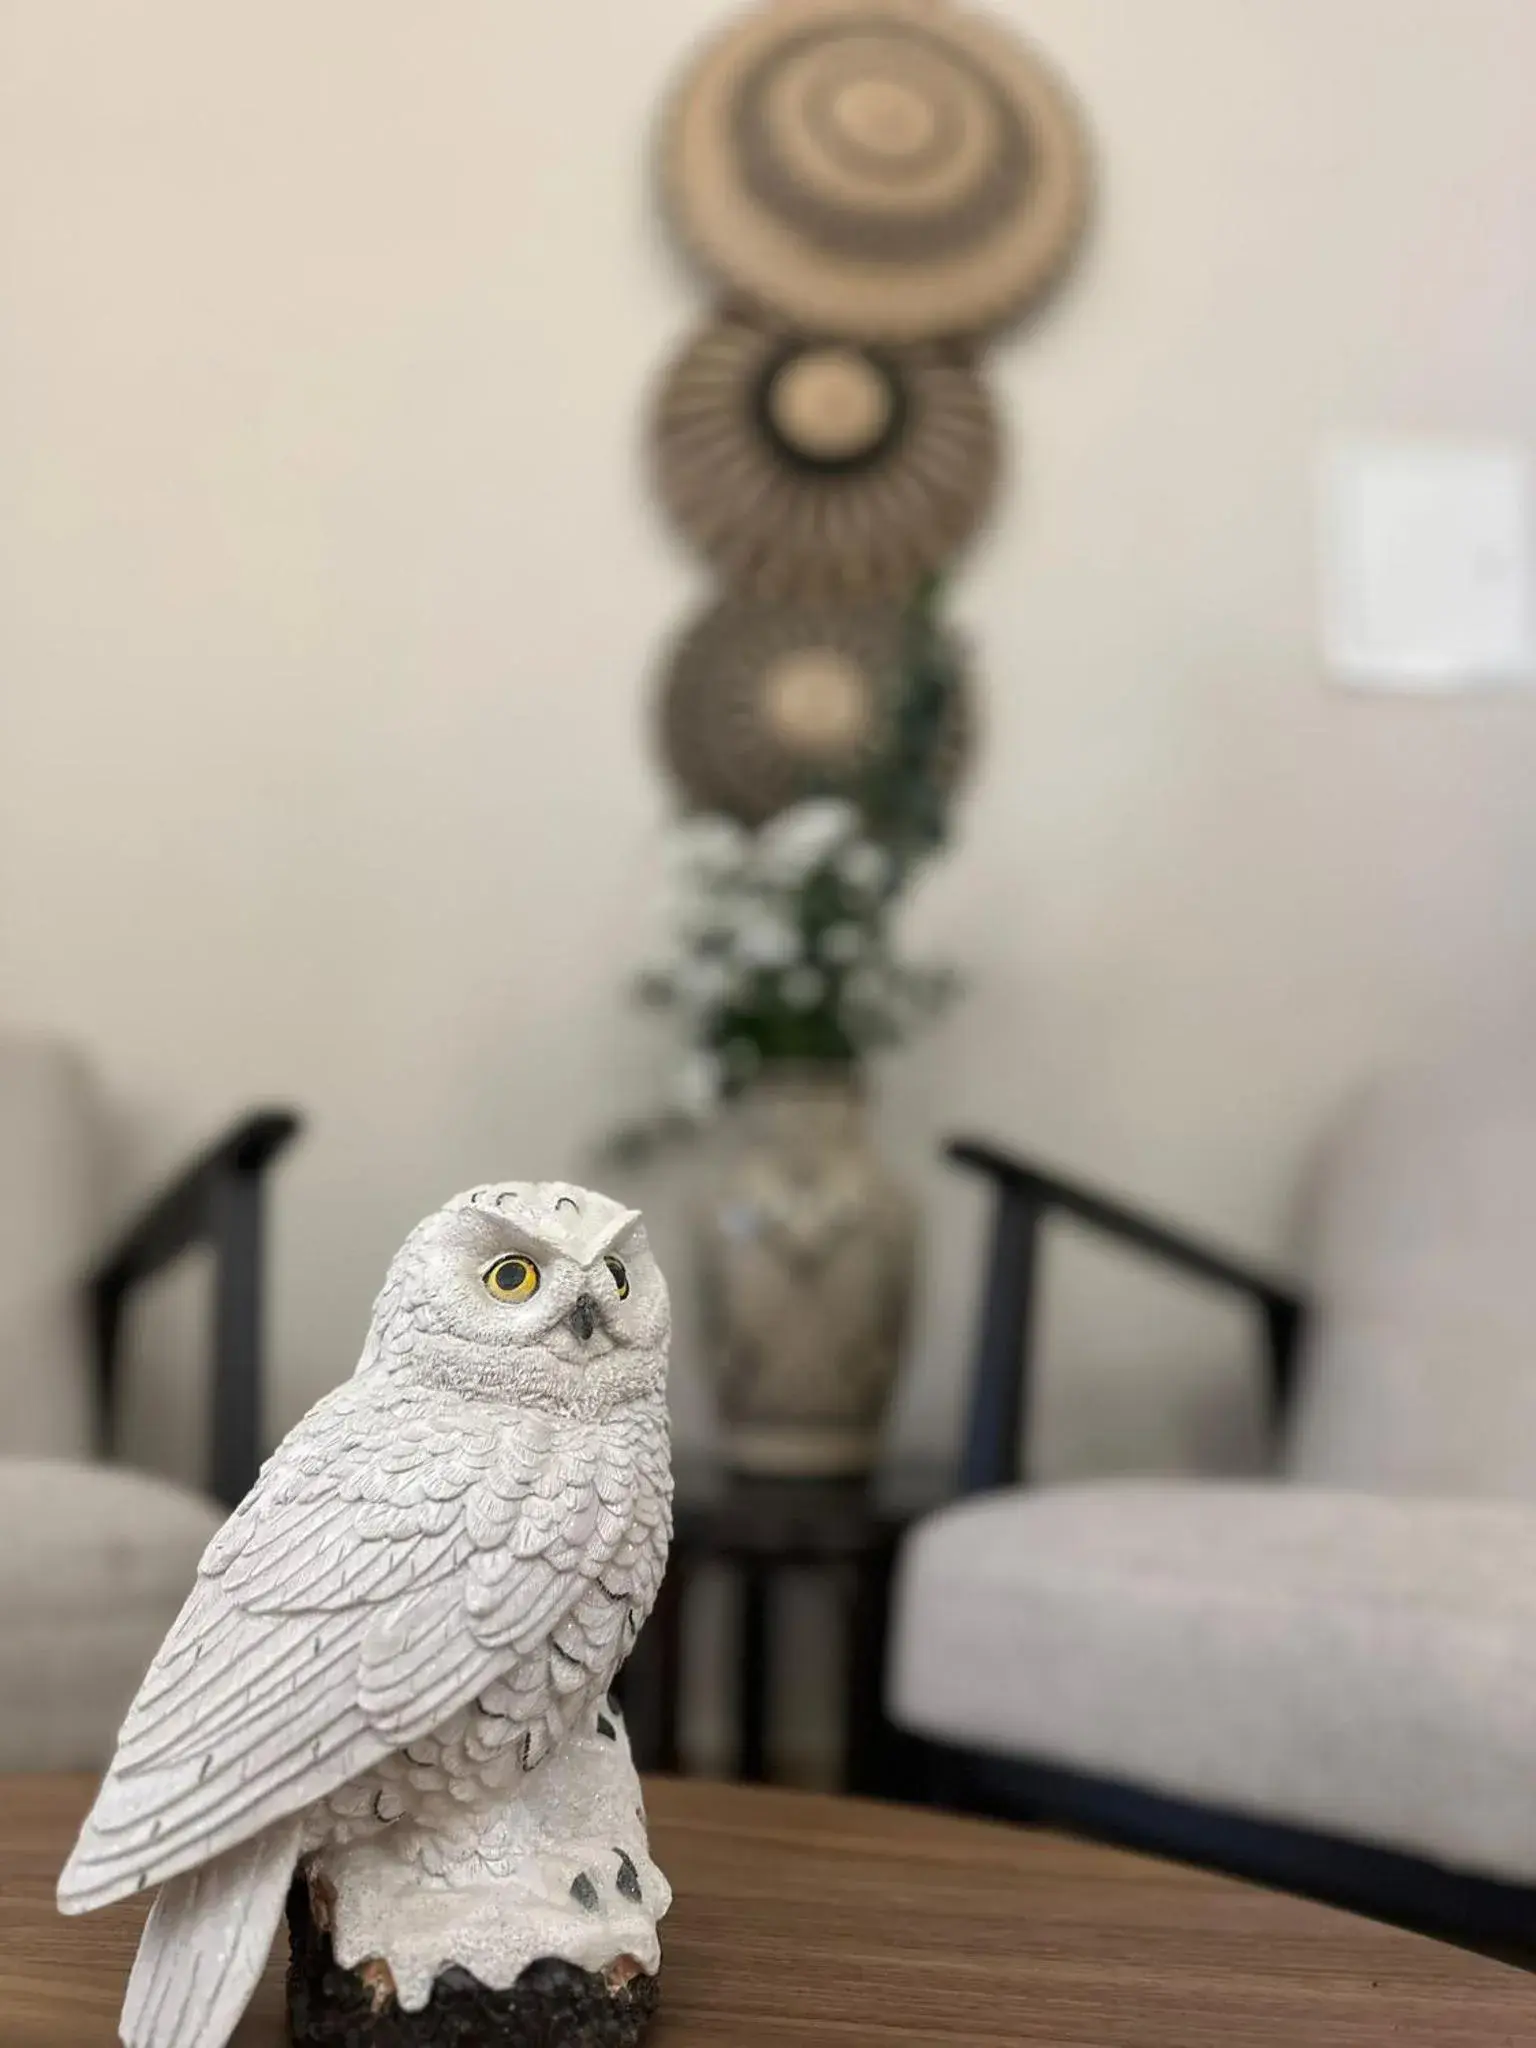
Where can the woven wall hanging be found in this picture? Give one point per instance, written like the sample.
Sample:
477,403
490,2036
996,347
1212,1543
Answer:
764,703
809,468
889,169
875,185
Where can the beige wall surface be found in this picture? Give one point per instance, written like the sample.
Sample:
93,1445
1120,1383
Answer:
328,586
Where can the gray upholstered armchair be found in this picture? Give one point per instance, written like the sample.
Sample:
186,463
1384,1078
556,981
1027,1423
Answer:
1327,1679
96,1559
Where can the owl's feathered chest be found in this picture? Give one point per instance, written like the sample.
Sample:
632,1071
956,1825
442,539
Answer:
563,1560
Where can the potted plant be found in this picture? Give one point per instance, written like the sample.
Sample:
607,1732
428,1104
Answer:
784,981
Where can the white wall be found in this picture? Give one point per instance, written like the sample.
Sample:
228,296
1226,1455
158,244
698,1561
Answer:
328,585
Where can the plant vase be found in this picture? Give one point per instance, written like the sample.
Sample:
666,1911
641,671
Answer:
806,1243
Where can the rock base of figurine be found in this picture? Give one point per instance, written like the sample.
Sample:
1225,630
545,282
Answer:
526,1917
553,2004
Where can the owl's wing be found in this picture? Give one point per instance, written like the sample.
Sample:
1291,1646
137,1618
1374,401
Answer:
334,1620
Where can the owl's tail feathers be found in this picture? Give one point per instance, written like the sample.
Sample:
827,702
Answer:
206,1944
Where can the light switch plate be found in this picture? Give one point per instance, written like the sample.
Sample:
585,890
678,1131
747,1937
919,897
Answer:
1426,565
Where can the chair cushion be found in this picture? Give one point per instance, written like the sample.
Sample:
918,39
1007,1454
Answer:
49,1180
94,1566
1361,1665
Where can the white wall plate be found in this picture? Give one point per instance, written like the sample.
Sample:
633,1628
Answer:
1426,562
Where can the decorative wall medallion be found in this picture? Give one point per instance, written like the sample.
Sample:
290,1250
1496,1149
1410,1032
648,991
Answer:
879,169
763,703
823,469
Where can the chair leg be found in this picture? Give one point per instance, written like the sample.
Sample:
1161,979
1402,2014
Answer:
754,1676
867,1734
651,1683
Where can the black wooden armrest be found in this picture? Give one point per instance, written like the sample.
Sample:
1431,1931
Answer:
214,1201
1026,1193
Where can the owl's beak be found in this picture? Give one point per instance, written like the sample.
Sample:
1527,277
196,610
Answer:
583,1317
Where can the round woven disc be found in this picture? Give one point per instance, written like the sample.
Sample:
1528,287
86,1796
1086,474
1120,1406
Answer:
762,704
883,169
810,469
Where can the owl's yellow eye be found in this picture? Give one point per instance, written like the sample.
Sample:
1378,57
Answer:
620,1277
513,1279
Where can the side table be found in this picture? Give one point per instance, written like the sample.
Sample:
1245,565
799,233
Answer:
847,1531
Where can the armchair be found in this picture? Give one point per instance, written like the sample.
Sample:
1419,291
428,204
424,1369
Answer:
96,1559
1322,1680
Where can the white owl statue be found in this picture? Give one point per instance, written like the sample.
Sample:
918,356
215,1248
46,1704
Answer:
387,1699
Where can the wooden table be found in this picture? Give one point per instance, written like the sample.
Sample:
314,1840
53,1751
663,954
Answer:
806,1920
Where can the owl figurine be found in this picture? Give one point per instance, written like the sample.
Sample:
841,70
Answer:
389,1690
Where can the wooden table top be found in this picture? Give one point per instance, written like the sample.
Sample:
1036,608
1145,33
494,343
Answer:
807,1920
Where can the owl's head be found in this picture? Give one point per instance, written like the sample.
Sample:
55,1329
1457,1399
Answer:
532,1292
